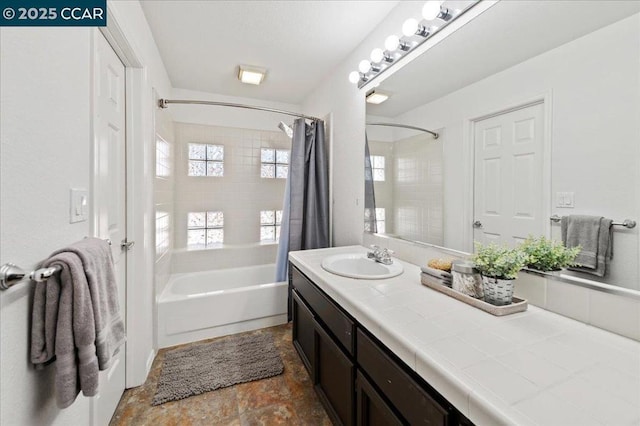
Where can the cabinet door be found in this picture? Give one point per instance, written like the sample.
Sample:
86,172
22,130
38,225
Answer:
334,378
303,331
371,408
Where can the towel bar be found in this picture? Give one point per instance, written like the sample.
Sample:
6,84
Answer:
627,223
11,274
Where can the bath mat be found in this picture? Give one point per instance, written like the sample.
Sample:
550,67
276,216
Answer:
206,367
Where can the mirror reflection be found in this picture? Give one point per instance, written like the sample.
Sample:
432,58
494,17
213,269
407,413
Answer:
533,124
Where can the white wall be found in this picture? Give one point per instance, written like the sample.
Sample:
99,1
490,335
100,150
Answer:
595,108
45,131
338,96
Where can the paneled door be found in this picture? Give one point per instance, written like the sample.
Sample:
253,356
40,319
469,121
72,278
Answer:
109,203
508,188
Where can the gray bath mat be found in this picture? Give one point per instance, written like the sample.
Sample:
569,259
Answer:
209,366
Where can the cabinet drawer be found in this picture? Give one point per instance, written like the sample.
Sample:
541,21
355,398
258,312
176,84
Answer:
326,310
416,405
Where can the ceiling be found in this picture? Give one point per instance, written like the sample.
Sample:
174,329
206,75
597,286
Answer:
508,33
299,42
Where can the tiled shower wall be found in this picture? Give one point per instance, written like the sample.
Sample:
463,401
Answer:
412,193
164,189
240,194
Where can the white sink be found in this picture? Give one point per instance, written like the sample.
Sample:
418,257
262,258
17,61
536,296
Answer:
356,265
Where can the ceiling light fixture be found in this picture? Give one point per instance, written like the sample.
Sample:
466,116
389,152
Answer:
396,48
251,75
376,97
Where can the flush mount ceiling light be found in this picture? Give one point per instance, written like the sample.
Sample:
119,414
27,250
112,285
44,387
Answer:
435,17
377,97
251,75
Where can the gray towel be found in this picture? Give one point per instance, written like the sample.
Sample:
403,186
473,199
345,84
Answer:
76,318
594,235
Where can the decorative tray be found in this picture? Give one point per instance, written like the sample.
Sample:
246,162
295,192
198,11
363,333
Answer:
517,305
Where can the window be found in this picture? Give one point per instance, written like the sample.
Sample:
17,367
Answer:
270,225
205,230
275,163
380,222
377,166
379,218
162,232
206,160
163,157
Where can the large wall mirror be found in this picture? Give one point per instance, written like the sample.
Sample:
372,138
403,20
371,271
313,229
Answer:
554,88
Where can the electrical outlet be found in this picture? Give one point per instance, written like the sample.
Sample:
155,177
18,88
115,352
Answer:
79,205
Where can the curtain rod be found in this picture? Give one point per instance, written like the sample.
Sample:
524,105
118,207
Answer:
164,103
405,126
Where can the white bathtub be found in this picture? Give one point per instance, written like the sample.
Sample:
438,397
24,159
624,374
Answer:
202,305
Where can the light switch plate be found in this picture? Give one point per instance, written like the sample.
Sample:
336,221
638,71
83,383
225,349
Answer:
79,205
565,200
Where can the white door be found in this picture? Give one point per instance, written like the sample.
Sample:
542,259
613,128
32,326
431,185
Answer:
109,218
508,192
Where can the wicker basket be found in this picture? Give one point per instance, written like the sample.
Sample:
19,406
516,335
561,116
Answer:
496,291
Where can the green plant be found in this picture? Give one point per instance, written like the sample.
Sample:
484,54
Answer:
499,262
548,255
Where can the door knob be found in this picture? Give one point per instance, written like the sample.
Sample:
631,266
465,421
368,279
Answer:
477,224
126,245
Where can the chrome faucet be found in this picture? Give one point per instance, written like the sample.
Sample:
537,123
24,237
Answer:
380,255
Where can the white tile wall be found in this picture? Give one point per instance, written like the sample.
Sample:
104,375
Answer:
163,194
240,194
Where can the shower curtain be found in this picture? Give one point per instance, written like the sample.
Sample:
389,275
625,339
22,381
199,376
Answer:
305,212
369,193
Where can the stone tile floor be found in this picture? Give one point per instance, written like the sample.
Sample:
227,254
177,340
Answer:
287,399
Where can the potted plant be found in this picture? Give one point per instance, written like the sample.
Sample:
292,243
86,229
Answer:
499,266
548,255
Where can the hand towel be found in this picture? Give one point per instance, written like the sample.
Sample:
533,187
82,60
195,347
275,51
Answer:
443,281
98,266
594,235
67,325
77,310
438,273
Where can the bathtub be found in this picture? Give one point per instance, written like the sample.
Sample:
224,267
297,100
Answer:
201,305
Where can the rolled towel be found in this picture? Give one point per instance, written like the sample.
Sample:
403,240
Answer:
438,273
443,281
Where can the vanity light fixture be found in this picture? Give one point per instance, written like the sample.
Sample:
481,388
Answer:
251,75
414,34
376,97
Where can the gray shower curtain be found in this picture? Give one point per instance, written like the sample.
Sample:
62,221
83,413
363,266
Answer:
305,213
369,192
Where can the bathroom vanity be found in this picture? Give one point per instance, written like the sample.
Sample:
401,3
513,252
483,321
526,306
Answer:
395,352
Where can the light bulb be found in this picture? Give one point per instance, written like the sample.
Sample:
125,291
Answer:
354,77
377,55
431,9
410,27
364,66
392,43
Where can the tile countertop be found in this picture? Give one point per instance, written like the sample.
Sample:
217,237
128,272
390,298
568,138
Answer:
529,368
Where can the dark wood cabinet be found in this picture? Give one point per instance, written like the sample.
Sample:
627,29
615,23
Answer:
371,408
334,378
357,378
303,331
